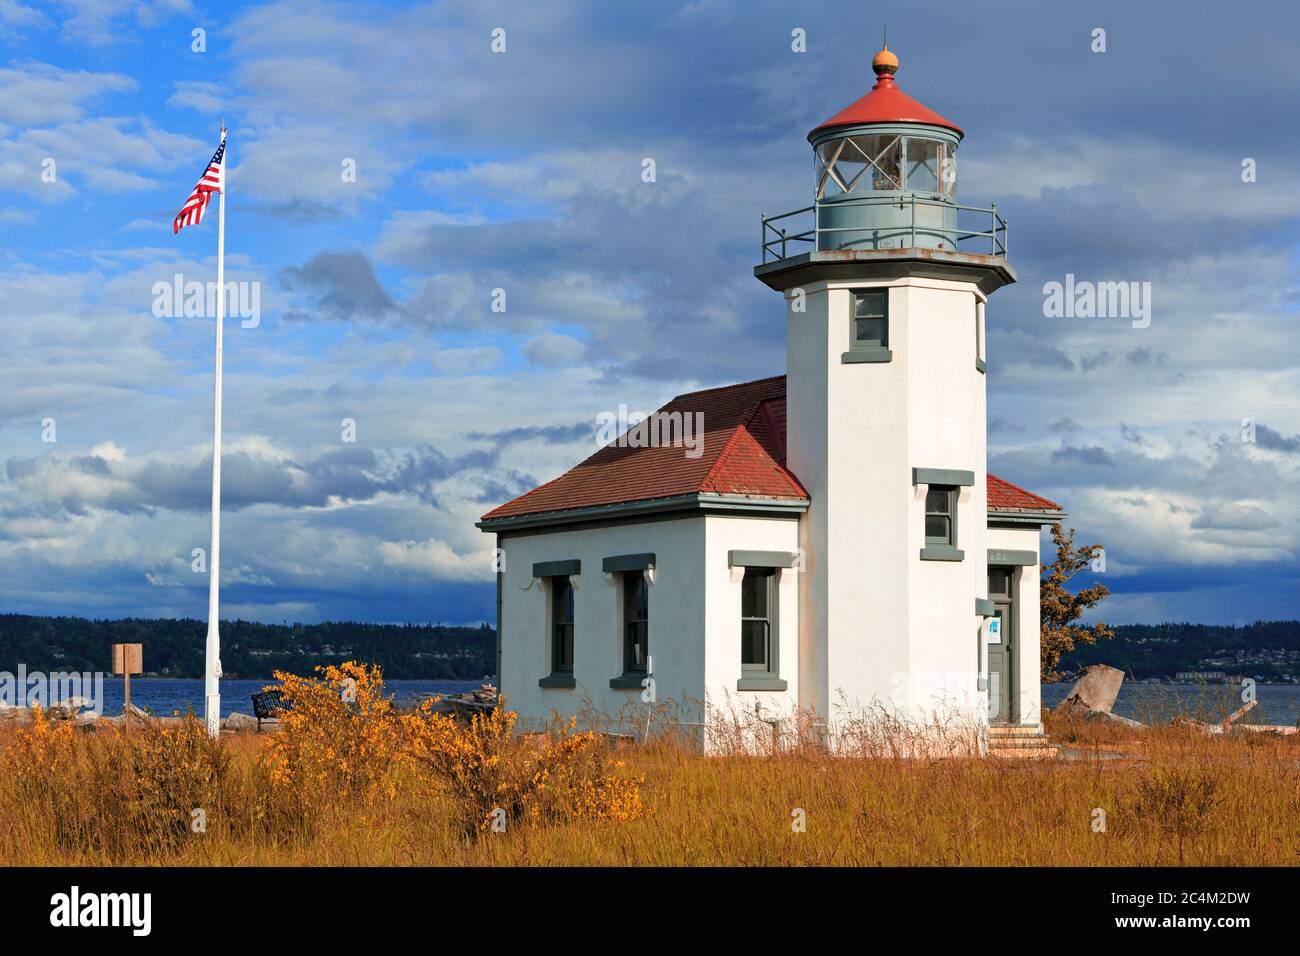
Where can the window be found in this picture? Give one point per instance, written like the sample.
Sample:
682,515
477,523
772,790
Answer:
756,605
999,582
940,515
561,626
636,625
924,164
870,319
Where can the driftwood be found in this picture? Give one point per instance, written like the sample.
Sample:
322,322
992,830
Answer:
478,701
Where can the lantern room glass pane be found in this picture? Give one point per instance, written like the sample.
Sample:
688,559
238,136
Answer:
924,159
859,164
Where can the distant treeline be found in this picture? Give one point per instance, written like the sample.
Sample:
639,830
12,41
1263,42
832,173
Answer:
1266,650
174,648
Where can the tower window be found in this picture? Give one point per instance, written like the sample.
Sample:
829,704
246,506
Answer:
940,516
870,319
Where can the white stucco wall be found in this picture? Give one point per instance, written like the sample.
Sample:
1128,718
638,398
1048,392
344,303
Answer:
1025,586
676,617
881,626
722,668
694,618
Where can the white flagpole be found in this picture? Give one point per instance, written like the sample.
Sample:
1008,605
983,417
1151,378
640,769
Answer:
212,662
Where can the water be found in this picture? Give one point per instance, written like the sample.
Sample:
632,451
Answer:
1278,703
164,696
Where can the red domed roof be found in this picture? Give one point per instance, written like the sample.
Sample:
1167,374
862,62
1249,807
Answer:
886,103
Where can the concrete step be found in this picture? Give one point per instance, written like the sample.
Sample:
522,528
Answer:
1020,742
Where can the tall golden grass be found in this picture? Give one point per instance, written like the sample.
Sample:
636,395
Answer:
348,780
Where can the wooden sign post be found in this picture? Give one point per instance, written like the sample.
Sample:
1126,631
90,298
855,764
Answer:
127,660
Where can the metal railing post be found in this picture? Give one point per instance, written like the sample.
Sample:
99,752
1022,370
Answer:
913,245
993,230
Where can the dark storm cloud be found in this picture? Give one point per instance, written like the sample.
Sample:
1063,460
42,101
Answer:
344,285
1267,438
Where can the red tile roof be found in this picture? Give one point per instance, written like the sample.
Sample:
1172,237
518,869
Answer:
743,455
1004,496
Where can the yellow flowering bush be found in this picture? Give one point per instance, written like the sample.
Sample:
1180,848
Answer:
338,740
486,768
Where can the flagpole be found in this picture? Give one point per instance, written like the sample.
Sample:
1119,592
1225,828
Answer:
212,661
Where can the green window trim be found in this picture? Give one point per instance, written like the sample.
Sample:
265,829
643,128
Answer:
761,559
942,552
869,322
628,562
768,579
557,569
636,623
757,682
866,356
562,645
563,681
941,502
943,476
984,607
628,681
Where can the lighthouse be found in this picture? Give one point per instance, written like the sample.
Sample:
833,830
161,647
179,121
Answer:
826,546
886,278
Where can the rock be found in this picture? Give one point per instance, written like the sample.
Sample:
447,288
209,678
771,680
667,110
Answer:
1096,690
239,722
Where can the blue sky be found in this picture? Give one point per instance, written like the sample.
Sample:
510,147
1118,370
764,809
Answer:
522,171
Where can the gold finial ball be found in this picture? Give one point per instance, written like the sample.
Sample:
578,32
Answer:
885,62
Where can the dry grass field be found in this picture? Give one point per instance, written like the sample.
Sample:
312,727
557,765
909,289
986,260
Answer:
358,783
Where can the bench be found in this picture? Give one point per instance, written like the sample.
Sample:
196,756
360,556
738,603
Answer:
266,705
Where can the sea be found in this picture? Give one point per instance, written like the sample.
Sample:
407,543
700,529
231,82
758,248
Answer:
1156,703
165,696
1150,703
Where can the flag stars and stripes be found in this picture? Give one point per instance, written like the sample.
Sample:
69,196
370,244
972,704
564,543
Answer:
191,213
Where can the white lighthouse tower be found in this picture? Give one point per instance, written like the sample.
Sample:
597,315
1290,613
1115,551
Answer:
886,279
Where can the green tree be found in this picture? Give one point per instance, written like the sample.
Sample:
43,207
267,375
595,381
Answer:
1060,610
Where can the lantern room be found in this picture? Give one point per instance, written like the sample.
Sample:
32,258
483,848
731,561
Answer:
886,171
884,179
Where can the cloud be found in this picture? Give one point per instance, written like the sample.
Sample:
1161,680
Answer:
344,286
553,350
97,22
1267,438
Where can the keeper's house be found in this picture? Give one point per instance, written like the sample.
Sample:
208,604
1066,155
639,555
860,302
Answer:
837,538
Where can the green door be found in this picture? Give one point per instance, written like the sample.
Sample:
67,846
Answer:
1001,635
999,651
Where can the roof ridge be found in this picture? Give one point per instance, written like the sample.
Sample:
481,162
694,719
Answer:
724,388
729,445
734,439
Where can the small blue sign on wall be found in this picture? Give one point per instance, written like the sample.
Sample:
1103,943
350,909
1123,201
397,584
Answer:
995,630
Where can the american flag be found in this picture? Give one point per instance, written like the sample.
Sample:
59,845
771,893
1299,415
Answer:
191,213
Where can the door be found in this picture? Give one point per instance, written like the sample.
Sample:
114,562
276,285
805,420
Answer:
1001,638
